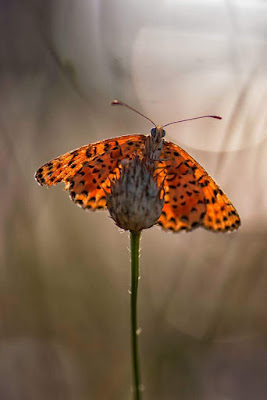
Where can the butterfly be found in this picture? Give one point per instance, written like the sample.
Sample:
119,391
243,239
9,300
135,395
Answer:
191,196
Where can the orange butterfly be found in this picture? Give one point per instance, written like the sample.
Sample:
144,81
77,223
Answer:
191,197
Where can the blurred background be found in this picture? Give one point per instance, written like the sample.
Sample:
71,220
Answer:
64,275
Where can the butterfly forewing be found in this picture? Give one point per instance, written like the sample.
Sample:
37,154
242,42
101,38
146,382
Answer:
193,198
88,170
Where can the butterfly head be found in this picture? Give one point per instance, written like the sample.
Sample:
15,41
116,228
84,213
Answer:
157,132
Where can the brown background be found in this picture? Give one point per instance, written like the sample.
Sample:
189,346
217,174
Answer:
64,275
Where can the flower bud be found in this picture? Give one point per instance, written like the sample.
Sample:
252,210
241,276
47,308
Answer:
135,201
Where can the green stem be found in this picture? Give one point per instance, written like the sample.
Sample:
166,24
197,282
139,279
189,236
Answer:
135,241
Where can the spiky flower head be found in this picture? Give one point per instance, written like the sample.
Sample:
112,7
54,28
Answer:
135,201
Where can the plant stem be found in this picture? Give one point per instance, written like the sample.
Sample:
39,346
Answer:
135,241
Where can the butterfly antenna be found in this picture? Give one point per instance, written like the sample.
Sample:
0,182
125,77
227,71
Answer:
120,103
191,119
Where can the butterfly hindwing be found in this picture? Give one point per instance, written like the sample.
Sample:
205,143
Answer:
184,206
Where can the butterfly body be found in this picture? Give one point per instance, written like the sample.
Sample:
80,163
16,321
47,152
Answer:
154,143
191,197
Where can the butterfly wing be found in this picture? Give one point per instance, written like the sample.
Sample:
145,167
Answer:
88,170
192,196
